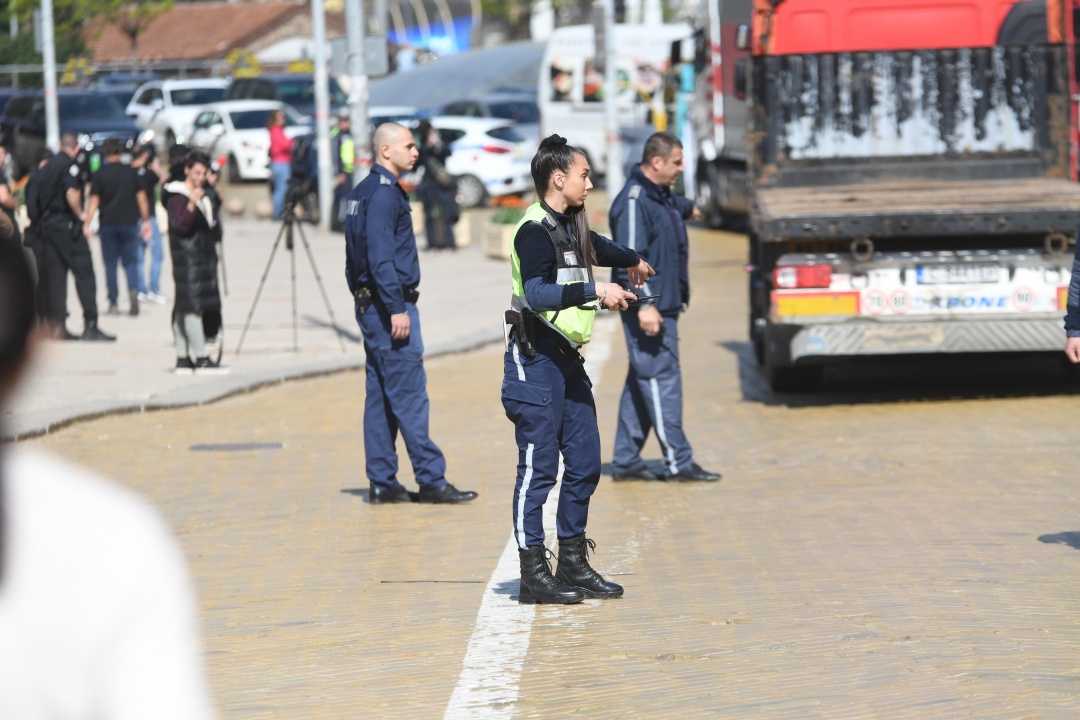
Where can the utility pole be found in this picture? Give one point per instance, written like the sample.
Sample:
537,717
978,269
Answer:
614,154
322,114
358,87
48,53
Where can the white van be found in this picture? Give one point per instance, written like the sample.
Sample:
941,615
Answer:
571,91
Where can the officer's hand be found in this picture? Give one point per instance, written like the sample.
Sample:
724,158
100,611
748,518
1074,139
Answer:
649,320
696,214
638,275
146,231
399,326
1072,349
616,297
87,231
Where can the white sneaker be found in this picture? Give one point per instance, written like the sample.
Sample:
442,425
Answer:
144,297
156,298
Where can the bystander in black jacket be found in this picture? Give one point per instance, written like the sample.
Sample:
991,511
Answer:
192,243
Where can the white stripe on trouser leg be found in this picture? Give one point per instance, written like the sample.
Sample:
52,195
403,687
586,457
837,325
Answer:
525,481
517,361
669,452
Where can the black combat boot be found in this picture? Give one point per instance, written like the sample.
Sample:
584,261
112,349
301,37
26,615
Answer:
134,303
93,333
538,586
574,569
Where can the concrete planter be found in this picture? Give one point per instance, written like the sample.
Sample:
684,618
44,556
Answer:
463,230
498,240
417,218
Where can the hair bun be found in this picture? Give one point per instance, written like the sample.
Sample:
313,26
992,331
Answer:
552,140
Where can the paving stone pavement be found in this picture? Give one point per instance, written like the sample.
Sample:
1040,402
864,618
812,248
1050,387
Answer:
905,544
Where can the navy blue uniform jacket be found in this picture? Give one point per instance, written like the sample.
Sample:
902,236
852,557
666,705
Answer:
649,220
380,247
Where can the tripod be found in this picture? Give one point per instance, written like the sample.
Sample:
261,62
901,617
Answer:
288,222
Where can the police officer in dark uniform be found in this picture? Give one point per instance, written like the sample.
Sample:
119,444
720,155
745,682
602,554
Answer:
383,272
649,219
546,392
32,239
65,247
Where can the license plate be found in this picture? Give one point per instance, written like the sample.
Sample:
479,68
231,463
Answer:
947,274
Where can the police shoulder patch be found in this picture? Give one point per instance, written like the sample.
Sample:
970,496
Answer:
549,222
635,190
73,170
383,180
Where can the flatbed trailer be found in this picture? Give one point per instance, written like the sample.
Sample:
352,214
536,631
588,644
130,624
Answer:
911,200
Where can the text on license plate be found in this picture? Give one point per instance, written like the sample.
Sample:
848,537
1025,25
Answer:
940,274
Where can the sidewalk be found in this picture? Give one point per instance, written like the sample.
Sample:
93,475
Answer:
462,296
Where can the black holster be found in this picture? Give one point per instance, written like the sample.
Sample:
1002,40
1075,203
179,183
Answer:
524,324
362,297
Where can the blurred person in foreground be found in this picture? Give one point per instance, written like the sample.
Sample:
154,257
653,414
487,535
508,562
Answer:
148,168
193,237
123,225
437,190
383,273
97,612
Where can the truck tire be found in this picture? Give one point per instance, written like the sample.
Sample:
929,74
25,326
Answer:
788,378
706,191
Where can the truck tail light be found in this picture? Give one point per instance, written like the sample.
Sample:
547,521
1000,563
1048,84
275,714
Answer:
802,276
496,149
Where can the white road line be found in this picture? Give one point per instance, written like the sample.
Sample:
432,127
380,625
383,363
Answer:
488,684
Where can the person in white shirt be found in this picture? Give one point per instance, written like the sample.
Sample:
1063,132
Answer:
97,611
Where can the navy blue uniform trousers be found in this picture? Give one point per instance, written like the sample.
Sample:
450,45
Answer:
652,398
549,399
397,401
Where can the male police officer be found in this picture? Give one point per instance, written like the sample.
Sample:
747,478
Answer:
344,151
383,272
648,218
59,205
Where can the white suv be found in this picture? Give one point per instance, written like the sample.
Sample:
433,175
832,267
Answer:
168,107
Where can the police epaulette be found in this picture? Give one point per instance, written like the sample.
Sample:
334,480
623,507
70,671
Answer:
635,190
549,222
383,180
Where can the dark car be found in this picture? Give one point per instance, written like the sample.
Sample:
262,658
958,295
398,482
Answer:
296,89
92,116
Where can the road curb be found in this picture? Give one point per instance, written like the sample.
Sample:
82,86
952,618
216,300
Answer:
46,421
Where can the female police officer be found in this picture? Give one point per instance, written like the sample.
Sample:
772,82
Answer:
546,392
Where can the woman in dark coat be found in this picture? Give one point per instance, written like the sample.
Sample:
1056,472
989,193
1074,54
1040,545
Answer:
192,238
437,190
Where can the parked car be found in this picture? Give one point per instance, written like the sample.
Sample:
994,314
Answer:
92,116
520,108
295,89
488,157
236,129
169,106
122,85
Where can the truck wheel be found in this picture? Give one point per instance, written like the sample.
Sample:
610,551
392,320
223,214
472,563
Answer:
788,378
709,204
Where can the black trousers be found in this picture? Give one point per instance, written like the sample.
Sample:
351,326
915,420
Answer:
32,240
66,249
